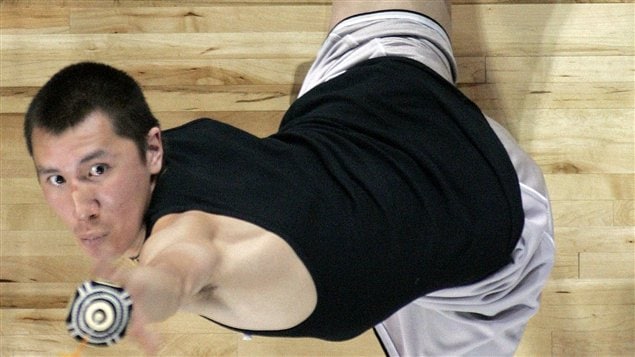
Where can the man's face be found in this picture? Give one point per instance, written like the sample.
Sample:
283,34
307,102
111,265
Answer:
97,183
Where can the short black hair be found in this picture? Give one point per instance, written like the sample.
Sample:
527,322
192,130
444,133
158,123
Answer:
80,89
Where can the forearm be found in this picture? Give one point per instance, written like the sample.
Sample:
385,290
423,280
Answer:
156,292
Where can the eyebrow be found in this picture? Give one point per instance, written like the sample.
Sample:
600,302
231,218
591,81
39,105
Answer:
43,170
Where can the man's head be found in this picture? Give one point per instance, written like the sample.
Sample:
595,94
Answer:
96,149
80,89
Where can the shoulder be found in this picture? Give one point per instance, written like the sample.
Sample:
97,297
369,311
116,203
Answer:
191,229
183,220
202,229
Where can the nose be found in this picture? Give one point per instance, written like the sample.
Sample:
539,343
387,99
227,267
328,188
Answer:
85,203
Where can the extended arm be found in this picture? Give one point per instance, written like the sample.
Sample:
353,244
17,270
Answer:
177,262
226,269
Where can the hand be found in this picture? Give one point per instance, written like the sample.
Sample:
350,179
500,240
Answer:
154,293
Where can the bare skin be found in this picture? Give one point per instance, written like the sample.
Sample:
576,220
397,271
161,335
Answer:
439,10
92,181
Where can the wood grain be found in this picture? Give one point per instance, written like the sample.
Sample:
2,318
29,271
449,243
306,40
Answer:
559,75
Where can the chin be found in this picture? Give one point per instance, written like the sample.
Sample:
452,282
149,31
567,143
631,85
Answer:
98,251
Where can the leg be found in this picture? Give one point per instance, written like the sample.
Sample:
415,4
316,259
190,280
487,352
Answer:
376,34
486,318
439,10
440,326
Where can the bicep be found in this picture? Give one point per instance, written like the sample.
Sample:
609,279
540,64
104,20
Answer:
181,245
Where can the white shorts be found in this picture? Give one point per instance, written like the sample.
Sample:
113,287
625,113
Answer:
389,33
487,318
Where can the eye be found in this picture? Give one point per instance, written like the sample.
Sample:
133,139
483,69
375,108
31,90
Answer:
56,180
97,170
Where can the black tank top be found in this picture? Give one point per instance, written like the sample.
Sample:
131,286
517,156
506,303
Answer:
386,181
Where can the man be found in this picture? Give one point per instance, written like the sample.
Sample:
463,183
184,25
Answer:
385,200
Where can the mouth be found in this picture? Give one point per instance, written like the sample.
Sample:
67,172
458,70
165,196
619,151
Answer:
91,242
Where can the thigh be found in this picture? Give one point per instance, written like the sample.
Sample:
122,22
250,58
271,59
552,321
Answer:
388,33
420,331
464,325
438,10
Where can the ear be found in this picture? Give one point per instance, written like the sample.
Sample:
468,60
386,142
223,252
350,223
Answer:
154,152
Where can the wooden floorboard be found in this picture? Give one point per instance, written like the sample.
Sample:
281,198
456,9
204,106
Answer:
558,74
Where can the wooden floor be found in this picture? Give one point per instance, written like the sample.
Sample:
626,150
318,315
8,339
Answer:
559,76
